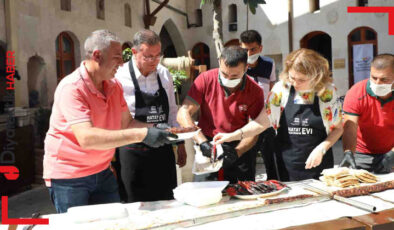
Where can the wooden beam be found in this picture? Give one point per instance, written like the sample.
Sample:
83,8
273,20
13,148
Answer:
149,18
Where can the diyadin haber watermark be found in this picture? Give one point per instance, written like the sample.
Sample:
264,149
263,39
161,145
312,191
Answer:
7,155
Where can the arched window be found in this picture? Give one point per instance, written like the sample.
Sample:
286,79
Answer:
359,36
232,42
127,15
65,60
232,17
200,53
65,5
100,7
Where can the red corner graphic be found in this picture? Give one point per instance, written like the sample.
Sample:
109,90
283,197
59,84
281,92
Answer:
376,9
5,220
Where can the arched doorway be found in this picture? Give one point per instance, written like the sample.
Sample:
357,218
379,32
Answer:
233,42
65,58
176,39
360,36
167,45
36,81
200,53
320,42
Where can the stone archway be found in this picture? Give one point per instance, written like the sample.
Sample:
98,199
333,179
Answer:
176,37
37,81
320,42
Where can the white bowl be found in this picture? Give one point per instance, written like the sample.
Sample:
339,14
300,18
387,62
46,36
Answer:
200,193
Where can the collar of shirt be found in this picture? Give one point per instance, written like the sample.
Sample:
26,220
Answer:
108,85
137,72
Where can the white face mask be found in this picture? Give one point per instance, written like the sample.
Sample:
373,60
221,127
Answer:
380,89
229,83
253,58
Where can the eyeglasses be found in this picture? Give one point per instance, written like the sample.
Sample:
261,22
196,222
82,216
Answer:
300,81
152,58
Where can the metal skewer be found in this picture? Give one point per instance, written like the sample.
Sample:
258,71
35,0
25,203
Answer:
354,203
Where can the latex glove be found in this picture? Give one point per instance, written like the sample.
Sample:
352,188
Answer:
206,149
162,126
387,163
315,157
230,155
348,159
157,137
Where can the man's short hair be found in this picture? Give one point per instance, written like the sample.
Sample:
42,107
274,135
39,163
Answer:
99,40
383,61
145,37
250,36
233,55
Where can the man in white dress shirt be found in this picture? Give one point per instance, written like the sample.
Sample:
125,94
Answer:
149,174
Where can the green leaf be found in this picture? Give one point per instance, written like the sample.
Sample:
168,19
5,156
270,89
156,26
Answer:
127,54
202,3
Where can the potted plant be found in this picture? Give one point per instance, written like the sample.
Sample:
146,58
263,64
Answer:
177,77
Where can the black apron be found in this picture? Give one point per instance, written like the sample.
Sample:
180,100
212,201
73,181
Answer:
148,174
301,130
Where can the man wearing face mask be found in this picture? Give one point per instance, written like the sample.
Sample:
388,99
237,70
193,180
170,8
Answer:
368,137
227,99
262,70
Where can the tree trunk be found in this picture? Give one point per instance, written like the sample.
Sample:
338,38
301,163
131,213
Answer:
217,33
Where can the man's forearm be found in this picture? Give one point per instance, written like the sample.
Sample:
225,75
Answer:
349,138
102,139
245,145
185,120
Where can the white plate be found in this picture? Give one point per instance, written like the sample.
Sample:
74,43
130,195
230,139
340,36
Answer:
184,136
252,197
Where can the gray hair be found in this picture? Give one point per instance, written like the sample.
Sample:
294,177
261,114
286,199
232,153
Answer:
145,37
99,40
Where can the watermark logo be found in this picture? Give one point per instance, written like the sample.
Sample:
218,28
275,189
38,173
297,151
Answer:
376,9
7,154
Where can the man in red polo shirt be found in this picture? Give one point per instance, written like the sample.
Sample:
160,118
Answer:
89,120
227,99
369,119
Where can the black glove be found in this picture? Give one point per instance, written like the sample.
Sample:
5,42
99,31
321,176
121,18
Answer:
157,137
348,160
162,126
206,149
230,155
386,163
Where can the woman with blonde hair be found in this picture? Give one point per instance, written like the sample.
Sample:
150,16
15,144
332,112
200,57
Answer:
304,109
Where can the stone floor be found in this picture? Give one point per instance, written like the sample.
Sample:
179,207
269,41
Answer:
37,199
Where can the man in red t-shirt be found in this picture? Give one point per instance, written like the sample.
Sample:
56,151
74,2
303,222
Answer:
227,99
369,119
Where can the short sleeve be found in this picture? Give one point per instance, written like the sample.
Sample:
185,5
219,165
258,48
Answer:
351,104
73,105
196,92
257,105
